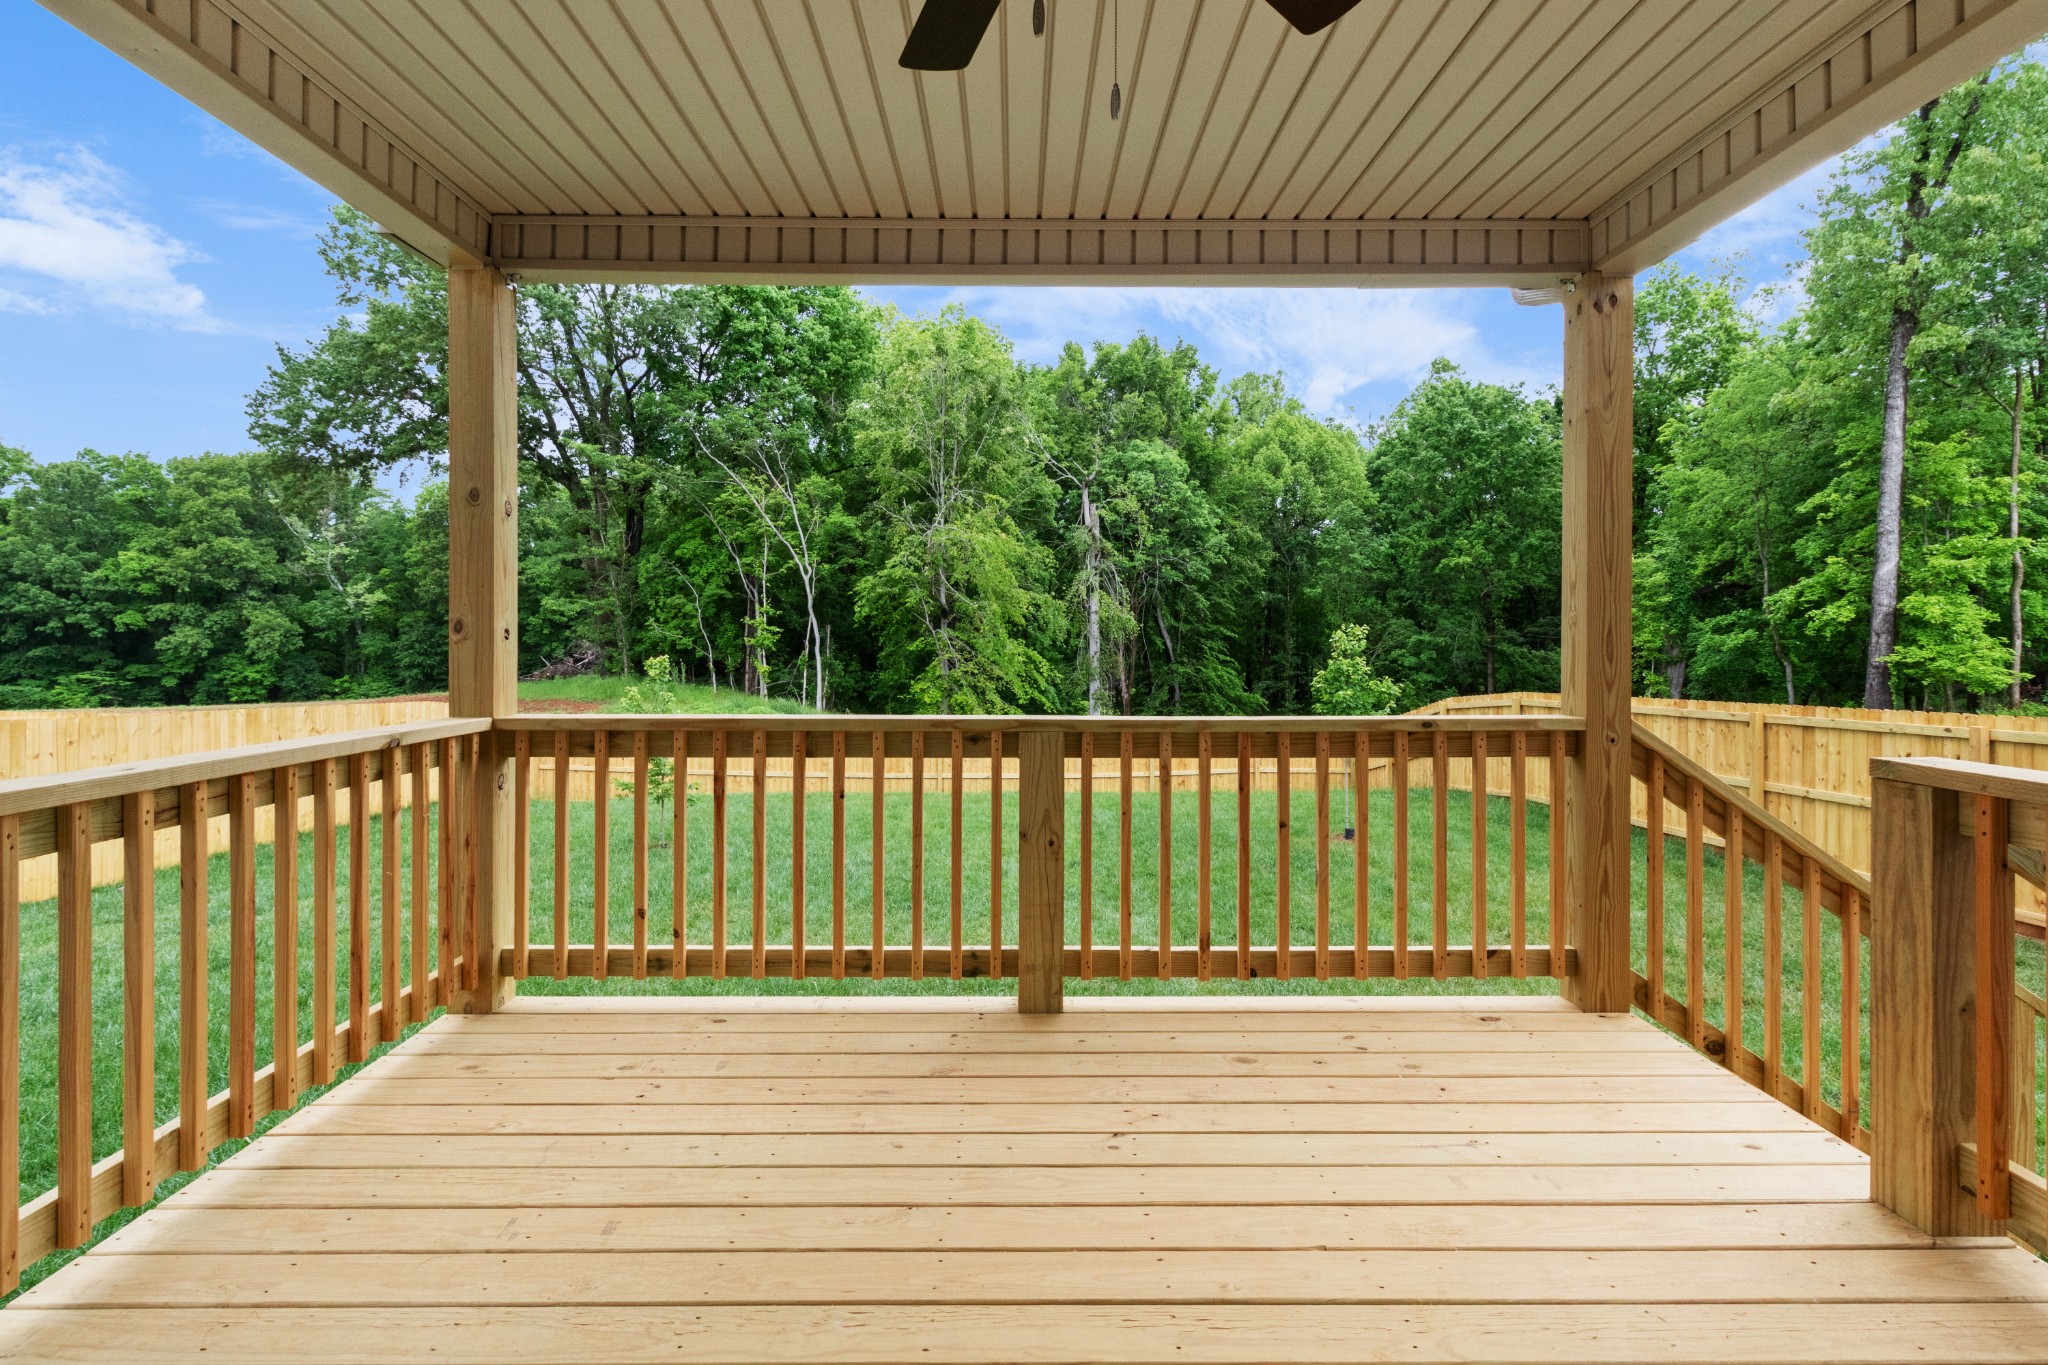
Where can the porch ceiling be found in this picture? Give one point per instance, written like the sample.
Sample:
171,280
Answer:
1463,142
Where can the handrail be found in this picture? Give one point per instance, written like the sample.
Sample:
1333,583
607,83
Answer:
1757,823
1822,881
423,765
1176,754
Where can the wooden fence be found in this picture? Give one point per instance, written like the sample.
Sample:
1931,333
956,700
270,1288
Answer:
1807,765
44,743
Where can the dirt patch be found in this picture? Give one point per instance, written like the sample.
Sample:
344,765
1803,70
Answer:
557,706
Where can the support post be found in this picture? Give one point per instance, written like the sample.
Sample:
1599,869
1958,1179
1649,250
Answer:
1041,871
1597,632
483,592
1923,1039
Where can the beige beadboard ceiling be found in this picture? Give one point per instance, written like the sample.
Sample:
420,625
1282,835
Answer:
1438,141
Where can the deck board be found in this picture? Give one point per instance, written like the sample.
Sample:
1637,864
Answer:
1200,1181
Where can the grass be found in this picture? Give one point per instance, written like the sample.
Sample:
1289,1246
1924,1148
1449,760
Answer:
39,922
591,692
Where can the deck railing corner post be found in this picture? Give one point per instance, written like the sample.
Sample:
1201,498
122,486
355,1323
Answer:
1922,1001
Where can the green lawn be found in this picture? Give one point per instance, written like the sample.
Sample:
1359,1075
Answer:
607,694
39,953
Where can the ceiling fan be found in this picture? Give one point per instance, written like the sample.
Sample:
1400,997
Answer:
948,31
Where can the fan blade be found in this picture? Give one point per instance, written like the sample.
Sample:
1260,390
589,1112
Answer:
946,34
1312,16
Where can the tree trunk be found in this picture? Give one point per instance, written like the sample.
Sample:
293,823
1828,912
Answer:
1891,493
2019,560
1091,524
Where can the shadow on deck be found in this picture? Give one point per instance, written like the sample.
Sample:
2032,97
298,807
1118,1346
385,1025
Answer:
1193,1180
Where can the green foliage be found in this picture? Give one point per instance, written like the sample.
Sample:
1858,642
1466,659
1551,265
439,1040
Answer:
1349,685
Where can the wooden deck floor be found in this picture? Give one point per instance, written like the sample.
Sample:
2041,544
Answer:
587,1181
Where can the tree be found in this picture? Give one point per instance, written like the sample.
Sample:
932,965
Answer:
1466,528
1349,685
955,594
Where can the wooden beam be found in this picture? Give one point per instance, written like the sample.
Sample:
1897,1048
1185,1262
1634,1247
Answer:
253,82
1922,1008
1876,71
1599,383
483,591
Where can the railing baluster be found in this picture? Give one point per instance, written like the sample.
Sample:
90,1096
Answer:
1205,758
719,741
1558,927
522,870
797,799
241,956
917,855
601,853
1165,888
642,773
1480,941
1123,847
995,853
1852,1009
1653,884
1731,942
138,993
958,794
1809,986
471,747
1087,873
419,761
561,954
1399,773
760,927
284,941
1994,1005
1774,961
74,1026
444,882
1244,855
679,840
839,855
1361,853
1518,858
1439,855
192,964
388,906
1322,855
1283,861
359,907
2025,1020
10,1052
877,794
1695,912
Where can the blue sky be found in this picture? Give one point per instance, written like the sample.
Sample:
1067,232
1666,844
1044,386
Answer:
151,262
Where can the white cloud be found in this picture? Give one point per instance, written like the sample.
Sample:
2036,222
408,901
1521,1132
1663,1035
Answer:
1330,342
68,237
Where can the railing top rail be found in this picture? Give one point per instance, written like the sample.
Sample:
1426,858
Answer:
1753,815
25,794
1962,775
1101,725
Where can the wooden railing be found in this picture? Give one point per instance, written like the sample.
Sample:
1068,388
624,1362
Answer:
354,784
934,880
1742,939
1954,1033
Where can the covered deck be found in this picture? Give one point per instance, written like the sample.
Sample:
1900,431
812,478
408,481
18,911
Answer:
1194,1180
1237,1180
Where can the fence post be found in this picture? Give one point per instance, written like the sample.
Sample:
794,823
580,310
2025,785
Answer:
1923,1042
1041,870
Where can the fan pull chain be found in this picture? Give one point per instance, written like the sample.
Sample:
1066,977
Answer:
1116,57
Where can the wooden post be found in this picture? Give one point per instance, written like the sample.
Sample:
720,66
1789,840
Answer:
1599,376
1041,871
1923,1037
483,591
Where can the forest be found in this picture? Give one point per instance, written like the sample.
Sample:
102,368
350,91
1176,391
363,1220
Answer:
802,494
